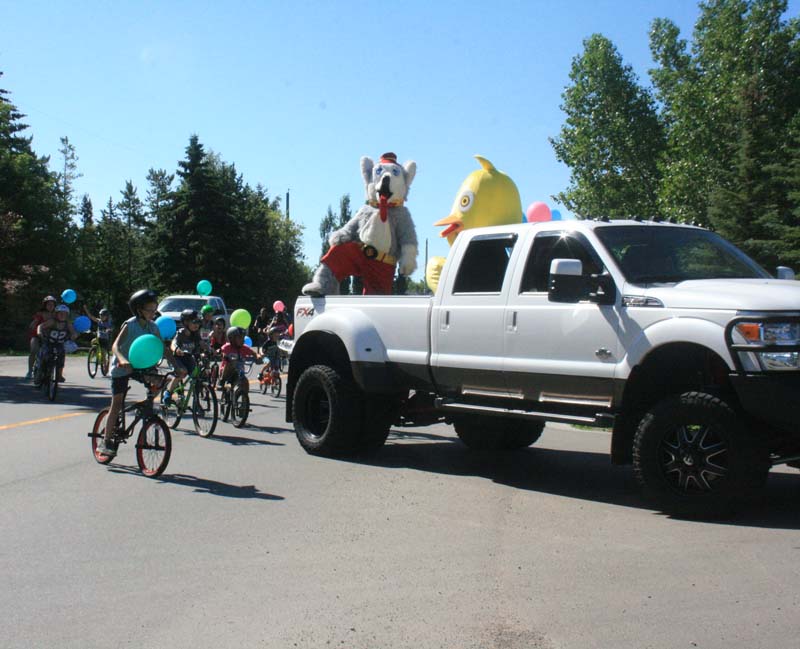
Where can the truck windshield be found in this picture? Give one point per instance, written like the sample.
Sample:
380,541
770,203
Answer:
649,254
181,303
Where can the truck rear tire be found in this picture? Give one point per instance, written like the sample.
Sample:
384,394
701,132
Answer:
482,433
693,456
327,412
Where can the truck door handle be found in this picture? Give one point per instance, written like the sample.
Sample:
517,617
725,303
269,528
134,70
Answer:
603,353
446,320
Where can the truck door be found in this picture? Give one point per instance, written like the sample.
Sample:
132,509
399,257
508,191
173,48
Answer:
467,321
554,352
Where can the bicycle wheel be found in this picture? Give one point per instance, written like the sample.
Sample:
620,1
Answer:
262,382
240,408
98,432
104,363
205,410
92,361
153,447
52,388
277,384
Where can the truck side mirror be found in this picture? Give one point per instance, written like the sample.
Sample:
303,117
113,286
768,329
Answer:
566,282
602,289
784,272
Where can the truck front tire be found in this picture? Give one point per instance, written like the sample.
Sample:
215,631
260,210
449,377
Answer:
482,433
693,456
326,412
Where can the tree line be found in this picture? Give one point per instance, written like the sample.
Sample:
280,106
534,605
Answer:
715,138
200,222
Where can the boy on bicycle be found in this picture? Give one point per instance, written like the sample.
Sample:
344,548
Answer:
233,353
104,326
56,332
218,336
186,345
46,313
143,305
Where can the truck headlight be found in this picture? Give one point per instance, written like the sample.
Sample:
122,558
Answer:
773,333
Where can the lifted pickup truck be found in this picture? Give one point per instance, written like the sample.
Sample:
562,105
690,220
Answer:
667,334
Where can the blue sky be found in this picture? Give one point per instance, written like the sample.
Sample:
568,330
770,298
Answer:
294,93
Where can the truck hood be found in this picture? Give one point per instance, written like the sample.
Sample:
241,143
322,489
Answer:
729,294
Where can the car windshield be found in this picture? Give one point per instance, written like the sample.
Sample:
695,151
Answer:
649,254
172,304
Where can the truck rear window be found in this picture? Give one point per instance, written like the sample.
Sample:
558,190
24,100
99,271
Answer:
484,264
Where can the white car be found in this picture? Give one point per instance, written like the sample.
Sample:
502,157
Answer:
173,305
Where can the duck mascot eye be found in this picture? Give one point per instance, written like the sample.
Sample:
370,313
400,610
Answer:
379,237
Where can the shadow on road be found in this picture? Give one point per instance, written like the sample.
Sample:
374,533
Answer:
243,441
205,486
14,389
570,474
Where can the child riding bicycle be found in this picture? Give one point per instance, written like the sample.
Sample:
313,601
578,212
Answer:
104,327
143,305
56,332
233,352
186,345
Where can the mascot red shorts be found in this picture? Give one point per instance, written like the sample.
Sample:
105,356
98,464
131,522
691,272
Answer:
347,259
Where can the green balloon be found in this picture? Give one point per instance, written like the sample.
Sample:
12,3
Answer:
241,318
146,351
203,287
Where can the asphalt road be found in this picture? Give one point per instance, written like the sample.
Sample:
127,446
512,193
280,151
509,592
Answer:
247,541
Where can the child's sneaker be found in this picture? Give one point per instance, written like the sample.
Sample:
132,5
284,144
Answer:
106,449
166,398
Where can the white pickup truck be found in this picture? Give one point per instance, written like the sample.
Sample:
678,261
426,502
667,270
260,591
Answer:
667,334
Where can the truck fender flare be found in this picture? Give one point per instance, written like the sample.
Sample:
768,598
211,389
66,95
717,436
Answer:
675,330
356,331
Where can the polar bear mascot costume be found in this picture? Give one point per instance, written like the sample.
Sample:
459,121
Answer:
380,235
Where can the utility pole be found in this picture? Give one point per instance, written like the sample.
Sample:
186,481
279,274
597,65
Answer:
287,203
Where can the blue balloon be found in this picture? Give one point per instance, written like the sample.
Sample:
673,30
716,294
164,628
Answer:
556,215
82,323
166,327
248,341
69,296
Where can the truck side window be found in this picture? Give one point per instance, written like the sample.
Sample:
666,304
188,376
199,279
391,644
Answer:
547,247
484,264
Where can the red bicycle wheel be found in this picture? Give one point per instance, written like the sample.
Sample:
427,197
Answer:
153,447
98,432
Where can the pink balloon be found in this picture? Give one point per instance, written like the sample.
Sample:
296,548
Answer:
538,212
278,306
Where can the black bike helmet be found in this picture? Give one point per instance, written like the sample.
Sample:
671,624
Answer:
235,331
219,320
189,314
140,298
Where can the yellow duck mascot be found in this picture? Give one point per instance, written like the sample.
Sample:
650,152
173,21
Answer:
486,197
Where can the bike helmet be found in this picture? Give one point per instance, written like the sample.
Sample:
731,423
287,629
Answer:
49,298
105,312
207,309
140,298
189,314
235,331
219,320
62,308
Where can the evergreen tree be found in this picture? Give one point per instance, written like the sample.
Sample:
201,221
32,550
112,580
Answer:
726,101
612,138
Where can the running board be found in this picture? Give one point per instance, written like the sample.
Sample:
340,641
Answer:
600,419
